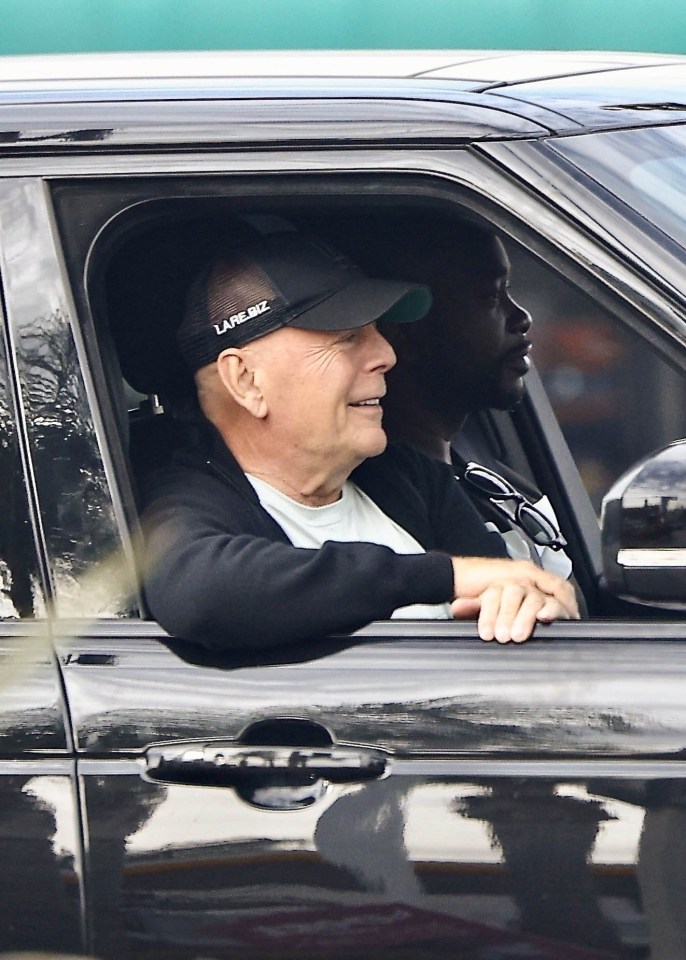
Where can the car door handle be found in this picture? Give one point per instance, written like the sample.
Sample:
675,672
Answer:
226,764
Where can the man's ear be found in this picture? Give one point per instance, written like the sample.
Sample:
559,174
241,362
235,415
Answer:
237,373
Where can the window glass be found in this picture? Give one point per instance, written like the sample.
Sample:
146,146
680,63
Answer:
615,398
644,168
20,593
89,571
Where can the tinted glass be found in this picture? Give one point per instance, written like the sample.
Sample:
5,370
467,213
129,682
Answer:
76,511
20,593
644,168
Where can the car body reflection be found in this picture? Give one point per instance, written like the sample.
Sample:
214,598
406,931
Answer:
362,874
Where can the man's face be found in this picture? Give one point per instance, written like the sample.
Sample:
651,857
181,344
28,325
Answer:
323,391
475,353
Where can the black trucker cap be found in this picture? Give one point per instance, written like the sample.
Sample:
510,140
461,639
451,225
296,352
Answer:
286,279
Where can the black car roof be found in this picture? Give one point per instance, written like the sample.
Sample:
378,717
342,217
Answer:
451,94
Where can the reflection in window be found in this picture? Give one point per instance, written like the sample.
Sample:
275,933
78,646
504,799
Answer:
644,168
90,575
20,594
662,183
73,488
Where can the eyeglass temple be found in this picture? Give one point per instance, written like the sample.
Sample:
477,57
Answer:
552,533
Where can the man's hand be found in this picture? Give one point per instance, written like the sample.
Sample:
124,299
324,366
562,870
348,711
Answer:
509,597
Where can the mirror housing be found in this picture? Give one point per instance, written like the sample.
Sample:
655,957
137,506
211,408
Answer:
643,521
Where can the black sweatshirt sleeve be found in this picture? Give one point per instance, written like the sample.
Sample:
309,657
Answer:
209,581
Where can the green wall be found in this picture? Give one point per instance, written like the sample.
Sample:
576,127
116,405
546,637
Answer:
43,26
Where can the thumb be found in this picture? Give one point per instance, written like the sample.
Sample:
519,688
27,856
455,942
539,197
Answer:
465,608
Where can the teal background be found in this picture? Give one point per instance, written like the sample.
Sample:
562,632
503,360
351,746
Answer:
64,26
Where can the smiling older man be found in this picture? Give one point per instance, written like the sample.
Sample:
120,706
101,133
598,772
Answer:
287,518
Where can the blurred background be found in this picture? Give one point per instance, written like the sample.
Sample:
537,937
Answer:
70,26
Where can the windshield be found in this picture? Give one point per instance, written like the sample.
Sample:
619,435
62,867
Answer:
644,168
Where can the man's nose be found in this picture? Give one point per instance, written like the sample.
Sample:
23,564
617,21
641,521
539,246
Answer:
381,353
518,318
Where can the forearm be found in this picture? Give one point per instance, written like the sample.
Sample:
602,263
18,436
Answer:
245,591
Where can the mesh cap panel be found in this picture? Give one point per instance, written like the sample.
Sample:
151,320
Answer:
230,303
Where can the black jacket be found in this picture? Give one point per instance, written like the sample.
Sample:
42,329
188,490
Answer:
220,571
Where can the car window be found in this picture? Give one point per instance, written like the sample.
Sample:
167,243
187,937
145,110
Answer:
644,168
68,454
20,589
139,243
615,398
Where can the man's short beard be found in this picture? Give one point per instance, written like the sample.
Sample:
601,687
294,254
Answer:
451,406
506,399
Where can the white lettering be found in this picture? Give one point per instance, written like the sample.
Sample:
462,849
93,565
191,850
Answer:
256,310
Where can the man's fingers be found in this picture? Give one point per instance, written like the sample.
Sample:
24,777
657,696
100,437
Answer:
514,598
491,600
553,610
502,605
563,592
529,614
474,575
509,610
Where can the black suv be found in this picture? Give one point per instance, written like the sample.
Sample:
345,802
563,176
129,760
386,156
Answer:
408,791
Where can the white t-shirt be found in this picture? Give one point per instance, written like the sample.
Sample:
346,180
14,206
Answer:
354,517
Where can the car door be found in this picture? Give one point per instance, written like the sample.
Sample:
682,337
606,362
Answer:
407,791
380,792
41,888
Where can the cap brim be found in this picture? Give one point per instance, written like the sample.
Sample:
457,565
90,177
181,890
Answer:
366,301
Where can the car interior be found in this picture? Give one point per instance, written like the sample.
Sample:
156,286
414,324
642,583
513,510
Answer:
140,243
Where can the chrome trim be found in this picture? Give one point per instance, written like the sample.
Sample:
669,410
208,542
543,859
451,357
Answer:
45,767
119,637
222,162
111,768
559,769
636,557
456,767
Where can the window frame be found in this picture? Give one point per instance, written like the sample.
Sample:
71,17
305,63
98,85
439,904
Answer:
465,177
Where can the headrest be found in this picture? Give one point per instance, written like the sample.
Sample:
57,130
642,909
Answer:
146,284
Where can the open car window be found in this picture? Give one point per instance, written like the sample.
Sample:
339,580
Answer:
137,246
615,398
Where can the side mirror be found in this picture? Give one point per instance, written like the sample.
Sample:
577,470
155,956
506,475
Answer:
643,522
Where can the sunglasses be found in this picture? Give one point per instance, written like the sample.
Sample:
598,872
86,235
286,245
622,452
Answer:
532,520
